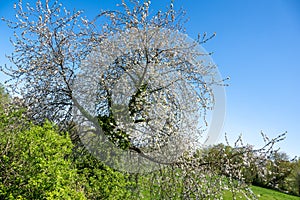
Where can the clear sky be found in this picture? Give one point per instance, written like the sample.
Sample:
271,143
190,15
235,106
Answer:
257,45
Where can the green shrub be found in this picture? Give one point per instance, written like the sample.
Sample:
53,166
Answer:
34,165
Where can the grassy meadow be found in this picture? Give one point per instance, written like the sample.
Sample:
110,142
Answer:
265,194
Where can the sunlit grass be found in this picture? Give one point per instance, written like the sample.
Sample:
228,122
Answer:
264,194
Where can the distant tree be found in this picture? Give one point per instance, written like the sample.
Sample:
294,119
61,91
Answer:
4,97
298,181
295,177
279,168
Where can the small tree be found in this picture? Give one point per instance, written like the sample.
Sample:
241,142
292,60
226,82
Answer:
4,97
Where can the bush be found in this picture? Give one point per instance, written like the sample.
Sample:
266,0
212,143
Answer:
33,164
98,180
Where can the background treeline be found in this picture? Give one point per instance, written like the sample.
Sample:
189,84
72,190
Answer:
277,172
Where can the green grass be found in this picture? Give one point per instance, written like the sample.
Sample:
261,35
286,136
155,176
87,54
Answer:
265,194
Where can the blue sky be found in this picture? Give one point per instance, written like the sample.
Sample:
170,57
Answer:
257,45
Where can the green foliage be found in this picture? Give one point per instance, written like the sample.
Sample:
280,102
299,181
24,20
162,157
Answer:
98,180
118,137
279,168
4,97
38,162
275,171
175,183
33,165
108,122
293,181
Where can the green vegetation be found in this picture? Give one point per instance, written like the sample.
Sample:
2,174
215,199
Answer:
4,97
33,165
268,194
41,162
264,194
38,162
